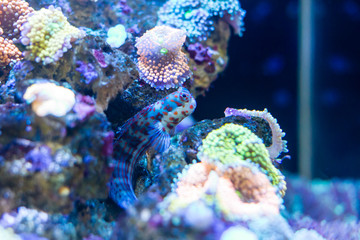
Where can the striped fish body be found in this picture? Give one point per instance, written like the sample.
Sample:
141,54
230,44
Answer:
150,127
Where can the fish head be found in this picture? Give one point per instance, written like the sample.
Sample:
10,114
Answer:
177,106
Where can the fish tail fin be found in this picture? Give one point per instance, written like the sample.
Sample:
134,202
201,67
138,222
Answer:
121,190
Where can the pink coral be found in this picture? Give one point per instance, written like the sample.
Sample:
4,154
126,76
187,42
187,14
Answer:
162,64
239,191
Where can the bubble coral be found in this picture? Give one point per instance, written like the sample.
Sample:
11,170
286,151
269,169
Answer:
48,35
49,99
13,13
232,143
162,64
278,145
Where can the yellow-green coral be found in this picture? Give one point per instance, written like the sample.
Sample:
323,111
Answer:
48,34
233,143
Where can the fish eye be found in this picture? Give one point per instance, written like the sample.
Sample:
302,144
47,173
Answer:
184,97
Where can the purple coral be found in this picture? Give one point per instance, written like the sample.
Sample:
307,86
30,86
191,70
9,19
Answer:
124,7
199,53
84,107
40,158
88,71
100,58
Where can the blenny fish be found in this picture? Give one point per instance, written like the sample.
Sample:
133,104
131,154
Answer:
151,127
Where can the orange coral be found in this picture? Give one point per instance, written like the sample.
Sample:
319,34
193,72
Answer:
239,191
257,195
8,52
162,64
13,14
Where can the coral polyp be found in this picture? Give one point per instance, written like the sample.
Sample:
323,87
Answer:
278,145
13,14
233,143
48,35
162,64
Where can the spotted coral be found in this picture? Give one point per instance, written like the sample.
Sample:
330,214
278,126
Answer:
278,145
48,35
12,15
162,64
232,143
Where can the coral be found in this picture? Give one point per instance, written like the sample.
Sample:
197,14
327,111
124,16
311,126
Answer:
197,17
304,234
323,200
229,144
162,64
88,71
209,58
49,99
8,234
330,230
233,143
115,70
257,195
199,53
55,158
278,145
238,232
8,52
48,35
116,36
239,192
12,15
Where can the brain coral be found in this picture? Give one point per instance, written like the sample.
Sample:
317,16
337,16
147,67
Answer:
162,64
48,35
232,143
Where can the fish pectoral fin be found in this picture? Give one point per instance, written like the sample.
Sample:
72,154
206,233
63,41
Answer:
159,138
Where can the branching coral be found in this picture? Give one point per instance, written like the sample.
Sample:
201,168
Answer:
278,145
197,17
48,35
162,64
12,15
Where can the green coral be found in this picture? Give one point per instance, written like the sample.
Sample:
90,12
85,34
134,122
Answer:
232,143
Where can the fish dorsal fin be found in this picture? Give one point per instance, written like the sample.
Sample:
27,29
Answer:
159,138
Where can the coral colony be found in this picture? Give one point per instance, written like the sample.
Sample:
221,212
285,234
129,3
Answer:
90,95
